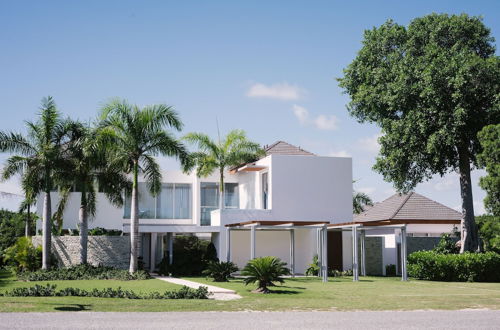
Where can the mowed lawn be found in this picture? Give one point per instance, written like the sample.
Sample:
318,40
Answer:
371,293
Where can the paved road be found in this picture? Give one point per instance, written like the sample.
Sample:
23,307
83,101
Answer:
467,319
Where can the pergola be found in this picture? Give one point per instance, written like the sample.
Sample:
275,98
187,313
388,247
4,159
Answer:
290,226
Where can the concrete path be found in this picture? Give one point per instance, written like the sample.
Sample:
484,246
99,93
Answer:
456,320
217,293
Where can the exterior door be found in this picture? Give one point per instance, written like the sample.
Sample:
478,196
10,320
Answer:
335,250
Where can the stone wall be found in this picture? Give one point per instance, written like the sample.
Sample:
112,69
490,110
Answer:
373,258
414,244
111,251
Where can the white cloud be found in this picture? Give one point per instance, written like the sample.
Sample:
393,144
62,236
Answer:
281,91
447,183
326,122
322,122
341,153
301,113
366,190
370,143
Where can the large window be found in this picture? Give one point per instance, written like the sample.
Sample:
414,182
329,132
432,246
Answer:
210,199
173,202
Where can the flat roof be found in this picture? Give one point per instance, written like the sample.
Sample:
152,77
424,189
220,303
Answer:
277,223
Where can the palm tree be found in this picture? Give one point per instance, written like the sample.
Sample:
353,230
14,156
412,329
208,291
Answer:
232,151
360,201
39,158
265,271
92,168
28,201
137,135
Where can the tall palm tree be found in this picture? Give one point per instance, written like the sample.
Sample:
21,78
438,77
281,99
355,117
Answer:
39,158
235,149
360,201
28,201
92,169
137,135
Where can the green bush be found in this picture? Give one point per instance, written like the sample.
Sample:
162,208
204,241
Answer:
49,290
447,245
472,267
12,225
265,271
83,272
23,256
313,269
220,271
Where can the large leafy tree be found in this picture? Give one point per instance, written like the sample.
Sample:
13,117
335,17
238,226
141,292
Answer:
92,169
136,135
39,158
490,159
431,87
234,150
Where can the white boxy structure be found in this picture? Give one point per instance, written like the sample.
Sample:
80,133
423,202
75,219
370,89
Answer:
288,204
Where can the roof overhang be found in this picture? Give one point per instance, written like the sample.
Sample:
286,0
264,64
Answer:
380,223
276,225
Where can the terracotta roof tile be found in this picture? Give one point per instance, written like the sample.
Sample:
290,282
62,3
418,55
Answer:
284,148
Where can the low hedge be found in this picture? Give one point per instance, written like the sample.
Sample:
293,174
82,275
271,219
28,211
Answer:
49,290
471,267
83,272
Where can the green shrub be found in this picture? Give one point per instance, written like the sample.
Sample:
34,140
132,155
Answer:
220,271
313,269
390,270
23,256
99,231
472,267
83,272
447,245
339,273
49,290
265,271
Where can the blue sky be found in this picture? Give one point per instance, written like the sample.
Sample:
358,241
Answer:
267,67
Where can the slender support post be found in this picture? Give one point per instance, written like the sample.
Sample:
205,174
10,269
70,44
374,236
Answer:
292,252
152,255
320,250
404,274
252,243
325,254
228,244
363,253
355,274
170,248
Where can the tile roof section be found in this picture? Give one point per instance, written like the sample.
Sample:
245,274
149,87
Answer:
411,206
284,148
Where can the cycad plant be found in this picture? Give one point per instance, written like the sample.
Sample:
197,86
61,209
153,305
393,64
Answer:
265,271
235,149
39,158
220,271
136,135
92,169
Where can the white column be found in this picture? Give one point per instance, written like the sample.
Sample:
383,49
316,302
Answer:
292,252
228,244
355,274
320,250
152,255
170,247
404,274
325,254
252,242
363,253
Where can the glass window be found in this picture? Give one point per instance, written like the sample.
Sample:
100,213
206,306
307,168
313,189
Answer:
147,203
231,196
164,204
182,201
265,191
209,192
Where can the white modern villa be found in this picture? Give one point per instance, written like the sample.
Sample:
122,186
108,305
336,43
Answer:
288,204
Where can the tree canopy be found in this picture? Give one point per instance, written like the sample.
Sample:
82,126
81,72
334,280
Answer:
490,159
431,87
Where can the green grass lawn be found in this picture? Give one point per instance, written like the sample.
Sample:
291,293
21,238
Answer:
371,293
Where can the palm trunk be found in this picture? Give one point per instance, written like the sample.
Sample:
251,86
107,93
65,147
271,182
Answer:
46,230
222,205
84,228
27,224
469,235
134,223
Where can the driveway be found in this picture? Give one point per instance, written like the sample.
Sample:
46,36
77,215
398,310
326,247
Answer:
467,319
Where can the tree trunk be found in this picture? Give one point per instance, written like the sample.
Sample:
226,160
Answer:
84,228
469,235
27,224
222,203
46,230
134,223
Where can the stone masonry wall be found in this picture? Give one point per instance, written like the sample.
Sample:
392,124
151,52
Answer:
414,244
102,250
373,258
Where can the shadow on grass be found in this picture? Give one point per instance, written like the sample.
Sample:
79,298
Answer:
283,292
73,308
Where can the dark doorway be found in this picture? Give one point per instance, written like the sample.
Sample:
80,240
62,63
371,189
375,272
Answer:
335,250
